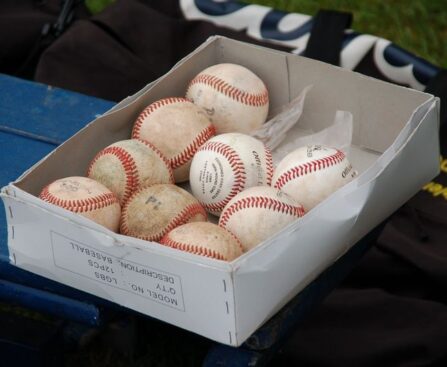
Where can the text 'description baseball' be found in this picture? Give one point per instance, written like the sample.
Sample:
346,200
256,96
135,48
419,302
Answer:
128,165
152,212
234,98
204,239
178,128
85,197
311,173
258,213
89,262
227,164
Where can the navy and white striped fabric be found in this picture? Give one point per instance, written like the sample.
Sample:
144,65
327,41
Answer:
360,52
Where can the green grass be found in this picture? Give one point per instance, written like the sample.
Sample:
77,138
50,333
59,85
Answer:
419,26
96,6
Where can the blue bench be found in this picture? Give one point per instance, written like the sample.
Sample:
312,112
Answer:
34,119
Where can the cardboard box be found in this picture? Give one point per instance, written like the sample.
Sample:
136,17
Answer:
394,148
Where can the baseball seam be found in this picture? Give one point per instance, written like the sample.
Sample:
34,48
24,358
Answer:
194,249
308,167
250,99
237,167
269,162
136,131
161,156
236,239
80,205
260,202
183,217
128,164
186,155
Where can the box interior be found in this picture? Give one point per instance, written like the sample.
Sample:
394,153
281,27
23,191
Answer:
379,109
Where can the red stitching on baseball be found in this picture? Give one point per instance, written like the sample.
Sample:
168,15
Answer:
162,156
236,239
258,99
81,205
269,159
151,108
309,167
129,166
194,249
238,170
261,203
183,217
187,154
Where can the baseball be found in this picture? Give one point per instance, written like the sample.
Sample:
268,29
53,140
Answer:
235,99
206,239
257,213
86,197
128,165
153,211
178,128
311,173
227,164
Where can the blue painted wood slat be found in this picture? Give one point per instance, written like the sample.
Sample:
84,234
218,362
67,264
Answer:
34,118
46,111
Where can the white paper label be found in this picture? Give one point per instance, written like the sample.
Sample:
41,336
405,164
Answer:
87,261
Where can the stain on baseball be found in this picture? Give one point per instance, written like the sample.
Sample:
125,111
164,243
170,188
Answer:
235,98
128,165
311,173
153,211
86,197
205,239
257,213
178,128
227,164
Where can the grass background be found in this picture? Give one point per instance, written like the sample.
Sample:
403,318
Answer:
419,26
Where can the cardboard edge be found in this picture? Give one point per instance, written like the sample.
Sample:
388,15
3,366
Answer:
431,103
14,193
228,335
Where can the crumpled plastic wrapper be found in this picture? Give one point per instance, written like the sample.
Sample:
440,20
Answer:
275,130
338,135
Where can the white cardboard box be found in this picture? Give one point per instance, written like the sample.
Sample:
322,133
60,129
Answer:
394,147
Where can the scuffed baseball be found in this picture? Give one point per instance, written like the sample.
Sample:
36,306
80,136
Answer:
257,213
311,173
227,164
235,98
86,197
153,211
178,128
205,239
128,165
